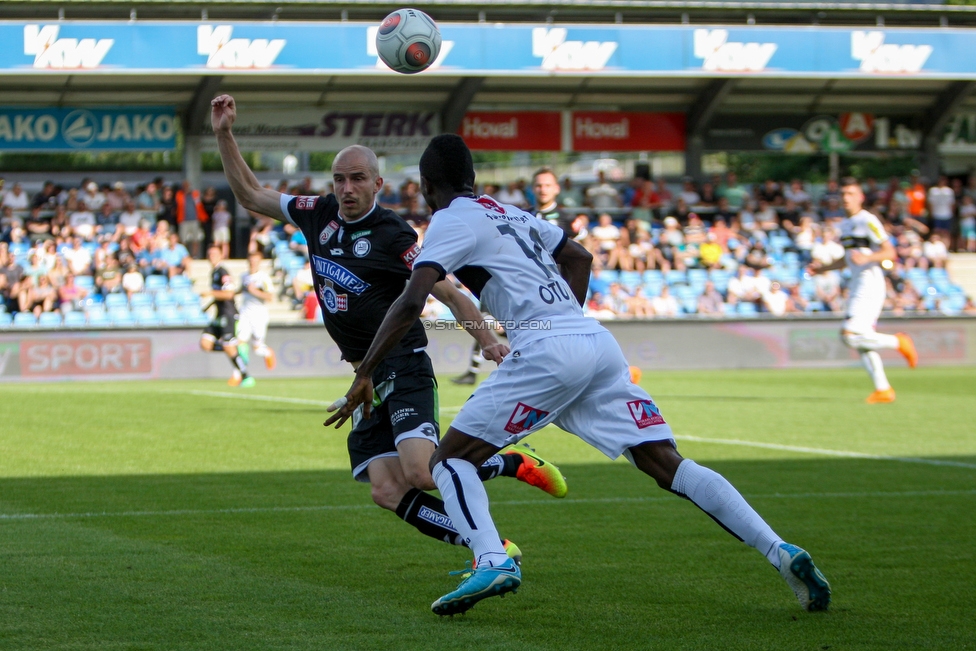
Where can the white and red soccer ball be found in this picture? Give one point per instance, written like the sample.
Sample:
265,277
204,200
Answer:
408,41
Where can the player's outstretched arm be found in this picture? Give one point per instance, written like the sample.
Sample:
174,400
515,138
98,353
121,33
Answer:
574,265
471,318
249,192
399,318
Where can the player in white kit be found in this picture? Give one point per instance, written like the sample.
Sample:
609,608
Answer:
866,246
257,291
564,368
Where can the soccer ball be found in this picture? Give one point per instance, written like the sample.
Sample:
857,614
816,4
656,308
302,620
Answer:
408,41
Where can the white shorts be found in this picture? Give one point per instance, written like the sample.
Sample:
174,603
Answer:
865,301
252,326
580,383
221,234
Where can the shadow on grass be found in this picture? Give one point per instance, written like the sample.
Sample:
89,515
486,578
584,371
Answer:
303,560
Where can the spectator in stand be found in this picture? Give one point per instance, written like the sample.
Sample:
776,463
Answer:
82,223
710,302
190,216
16,198
47,198
147,200
797,300
37,295
296,240
671,243
38,226
776,300
910,252
720,229
606,235
645,204
796,193
742,287
900,219
710,252
388,198
665,305
757,256
708,197
688,192
967,224
831,193
570,196
59,223
72,202
804,237
107,222
133,281
221,228
873,194
602,195
664,197
942,206
916,198
734,194
680,211
619,256
108,280
935,251
167,207
261,237
598,308
771,193
129,218
70,295
833,211
11,275
766,217
175,256
117,197
93,197
78,257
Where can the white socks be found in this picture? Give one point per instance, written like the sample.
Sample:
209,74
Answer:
714,495
466,502
872,362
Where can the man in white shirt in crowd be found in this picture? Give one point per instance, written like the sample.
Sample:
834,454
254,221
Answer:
942,206
16,198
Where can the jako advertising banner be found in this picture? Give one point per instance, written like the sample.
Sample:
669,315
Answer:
496,49
150,128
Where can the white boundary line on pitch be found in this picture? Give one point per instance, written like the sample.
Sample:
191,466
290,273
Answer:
827,452
9,517
695,439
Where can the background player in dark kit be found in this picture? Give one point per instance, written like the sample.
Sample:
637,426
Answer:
221,334
361,258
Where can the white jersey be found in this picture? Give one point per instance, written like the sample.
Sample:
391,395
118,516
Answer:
862,232
505,256
259,280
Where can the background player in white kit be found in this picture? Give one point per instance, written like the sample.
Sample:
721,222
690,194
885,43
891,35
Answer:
564,368
866,246
256,291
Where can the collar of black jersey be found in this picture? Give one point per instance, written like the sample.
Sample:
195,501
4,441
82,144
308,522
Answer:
371,213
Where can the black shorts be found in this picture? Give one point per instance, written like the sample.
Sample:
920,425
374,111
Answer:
223,331
404,406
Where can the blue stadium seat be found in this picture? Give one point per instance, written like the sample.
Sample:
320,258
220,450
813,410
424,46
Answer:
728,309
24,320
653,275
121,318
141,300
689,305
98,320
85,282
186,297
652,290
74,320
697,276
5,320
116,301
155,283
816,306
145,316
180,282
169,315
19,249
747,309
598,285
195,317
631,280
610,276
676,276
164,298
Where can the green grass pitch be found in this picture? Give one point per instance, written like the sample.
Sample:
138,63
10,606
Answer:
189,515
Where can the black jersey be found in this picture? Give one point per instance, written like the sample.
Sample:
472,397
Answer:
556,217
220,279
359,269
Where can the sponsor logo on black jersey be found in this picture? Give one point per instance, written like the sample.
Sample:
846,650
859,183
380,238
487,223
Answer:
361,248
358,234
339,275
327,232
332,301
306,203
410,255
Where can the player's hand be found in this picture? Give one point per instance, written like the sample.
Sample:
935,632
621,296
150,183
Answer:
223,112
496,352
360,393
859,258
